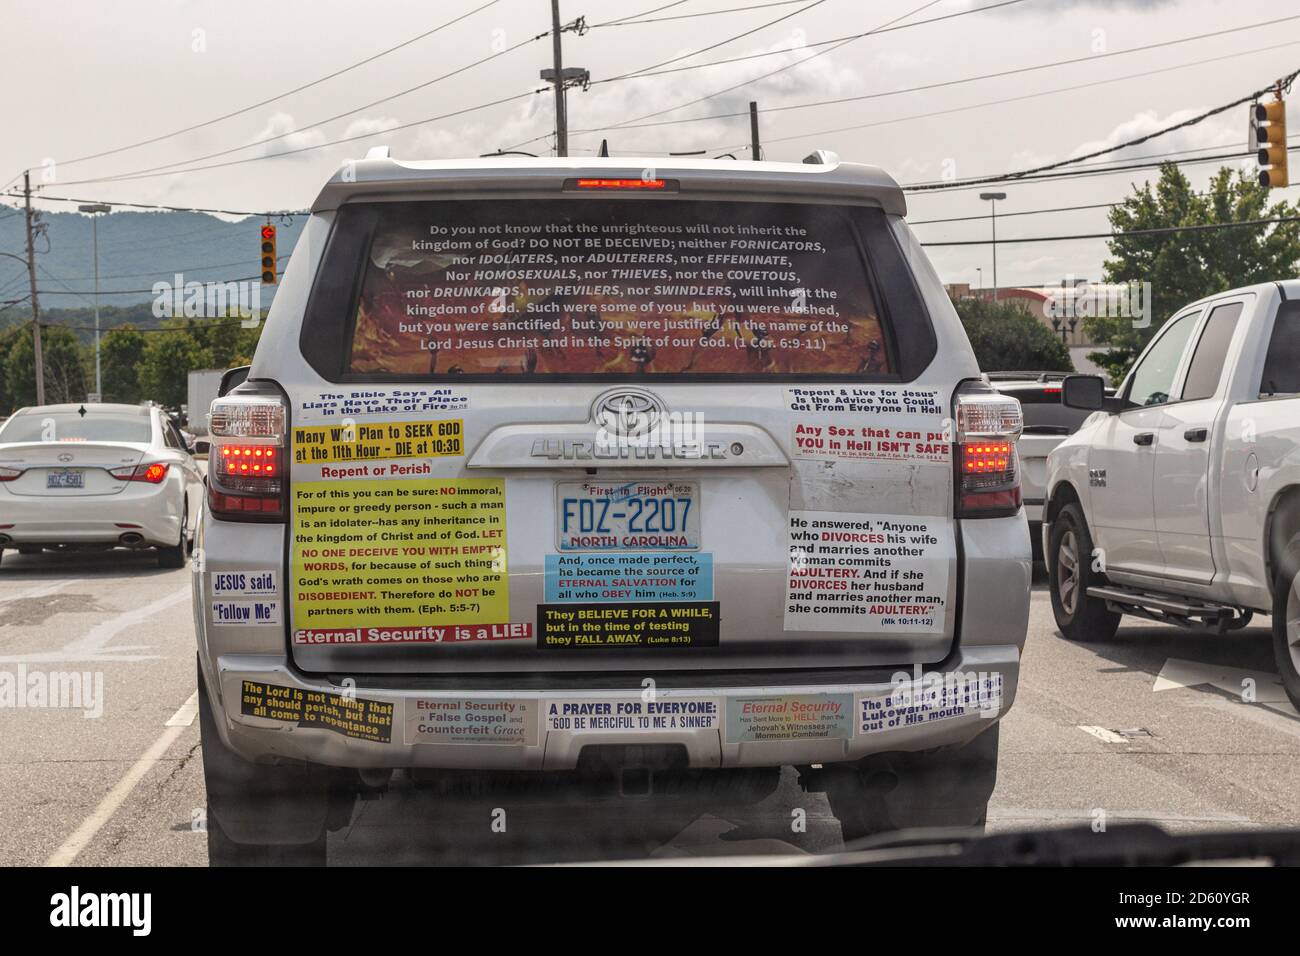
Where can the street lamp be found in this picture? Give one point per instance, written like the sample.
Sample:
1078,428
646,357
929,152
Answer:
980,272
993,198
94,210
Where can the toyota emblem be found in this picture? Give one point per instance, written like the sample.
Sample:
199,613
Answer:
628,411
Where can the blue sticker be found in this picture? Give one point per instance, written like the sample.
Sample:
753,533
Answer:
653,576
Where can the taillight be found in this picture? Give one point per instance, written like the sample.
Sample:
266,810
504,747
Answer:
152,472
9,474
247,458
988,479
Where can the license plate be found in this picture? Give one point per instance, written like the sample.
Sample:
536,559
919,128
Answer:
65,479
627,515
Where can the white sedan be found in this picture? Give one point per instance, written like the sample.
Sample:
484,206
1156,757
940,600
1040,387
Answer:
96,476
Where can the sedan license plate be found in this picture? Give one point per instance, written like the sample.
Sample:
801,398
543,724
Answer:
65,479
628,515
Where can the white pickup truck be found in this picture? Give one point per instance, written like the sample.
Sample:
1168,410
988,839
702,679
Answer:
1179,498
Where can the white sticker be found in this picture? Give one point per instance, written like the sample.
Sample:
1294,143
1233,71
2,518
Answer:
936,697
349,403
245,612
866,399
432,720
231,584
902,438
867,573
634,714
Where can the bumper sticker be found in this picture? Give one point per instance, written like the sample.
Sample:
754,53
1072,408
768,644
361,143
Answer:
879,574
379,441
629,577
470,721
789,717
939,697
237,584
350,716
634,714
416,556
583,626
245,612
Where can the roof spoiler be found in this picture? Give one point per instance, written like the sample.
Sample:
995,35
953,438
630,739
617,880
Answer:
822,157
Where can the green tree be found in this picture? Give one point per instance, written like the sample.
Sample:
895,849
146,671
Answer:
8,337
121,356
1007,338
64,362
165,363
1188,264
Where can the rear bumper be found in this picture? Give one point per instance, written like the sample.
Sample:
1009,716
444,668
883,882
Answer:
537,742
94,519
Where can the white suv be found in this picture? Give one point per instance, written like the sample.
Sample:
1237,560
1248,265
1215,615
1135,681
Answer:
652,476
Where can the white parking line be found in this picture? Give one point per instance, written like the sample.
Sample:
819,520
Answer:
93,646
39,592
81,838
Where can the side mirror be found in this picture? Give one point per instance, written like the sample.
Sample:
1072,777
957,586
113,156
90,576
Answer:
1087,392
232,379
201,448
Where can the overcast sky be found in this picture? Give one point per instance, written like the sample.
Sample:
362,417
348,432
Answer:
84,76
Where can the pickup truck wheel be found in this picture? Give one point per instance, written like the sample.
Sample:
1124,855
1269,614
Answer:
1286,622
1070,574
274,814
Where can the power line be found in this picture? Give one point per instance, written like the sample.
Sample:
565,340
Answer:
164,208
1158,231
139,173
645,13
279,96
1022,97
782,69
969,79
304,149
834,44
630,21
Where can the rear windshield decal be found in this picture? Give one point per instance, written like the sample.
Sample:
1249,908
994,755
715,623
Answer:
597,287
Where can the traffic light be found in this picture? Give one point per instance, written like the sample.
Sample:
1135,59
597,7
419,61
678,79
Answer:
1268,130
268,254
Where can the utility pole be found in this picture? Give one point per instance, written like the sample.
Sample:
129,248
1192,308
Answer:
561,111
94,210
754,149
993,198
562,78
36,304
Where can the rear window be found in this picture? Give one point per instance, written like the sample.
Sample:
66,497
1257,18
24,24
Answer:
70,426
597,288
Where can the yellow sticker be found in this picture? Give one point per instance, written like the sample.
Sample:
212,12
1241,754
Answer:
401,562
376,442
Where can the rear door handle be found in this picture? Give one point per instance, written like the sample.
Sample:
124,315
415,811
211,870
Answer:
1144,438
1196,434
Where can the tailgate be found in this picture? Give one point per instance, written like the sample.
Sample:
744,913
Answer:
617,462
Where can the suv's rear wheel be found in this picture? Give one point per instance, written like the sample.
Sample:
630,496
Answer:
1286,620
1070,574
262,814
949,787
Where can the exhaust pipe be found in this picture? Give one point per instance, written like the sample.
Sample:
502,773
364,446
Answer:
132,539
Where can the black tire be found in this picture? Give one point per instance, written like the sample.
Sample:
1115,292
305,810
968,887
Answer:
1286,621
1070,574
174,556
945,788
271,801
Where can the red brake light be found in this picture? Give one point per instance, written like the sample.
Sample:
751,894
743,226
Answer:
246,465
622,183
988,484
152,472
